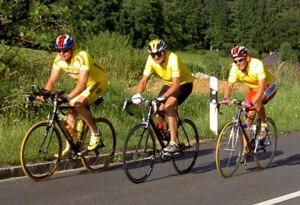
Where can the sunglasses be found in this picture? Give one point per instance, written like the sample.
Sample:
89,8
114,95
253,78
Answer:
158,54
240,60
62,50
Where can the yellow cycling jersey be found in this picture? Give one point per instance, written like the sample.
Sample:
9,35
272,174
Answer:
172,67
255,71
81,60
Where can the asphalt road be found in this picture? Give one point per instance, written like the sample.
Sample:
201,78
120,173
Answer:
279,183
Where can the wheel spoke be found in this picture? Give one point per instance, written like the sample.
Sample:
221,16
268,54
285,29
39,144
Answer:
228,150
266,148
100,158
188,141
139,153
38,149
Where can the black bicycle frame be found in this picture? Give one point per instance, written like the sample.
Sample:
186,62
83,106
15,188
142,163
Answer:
68,137
158,134
152,123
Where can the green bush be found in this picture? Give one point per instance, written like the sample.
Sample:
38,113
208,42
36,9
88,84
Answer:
207,62
116,54
287,53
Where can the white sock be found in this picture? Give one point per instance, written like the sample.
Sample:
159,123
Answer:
172,143
96,133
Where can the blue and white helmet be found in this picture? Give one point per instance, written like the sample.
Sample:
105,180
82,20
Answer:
63,42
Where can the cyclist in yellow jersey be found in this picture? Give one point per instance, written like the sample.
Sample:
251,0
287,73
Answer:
261,83
91,83
178,85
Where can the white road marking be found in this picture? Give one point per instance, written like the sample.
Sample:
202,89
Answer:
280,199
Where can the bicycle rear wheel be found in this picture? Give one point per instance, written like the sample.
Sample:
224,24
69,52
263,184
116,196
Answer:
139,153
188,141
267,148
38,147
100,158
229,149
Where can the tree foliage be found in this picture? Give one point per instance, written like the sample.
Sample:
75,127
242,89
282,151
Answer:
263,25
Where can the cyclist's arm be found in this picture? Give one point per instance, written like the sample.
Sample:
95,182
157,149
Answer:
142,84
52,79
228,90
81,83
173,88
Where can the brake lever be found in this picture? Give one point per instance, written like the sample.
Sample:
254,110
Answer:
219,108
126,105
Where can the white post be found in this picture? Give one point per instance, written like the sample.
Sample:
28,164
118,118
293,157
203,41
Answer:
213,111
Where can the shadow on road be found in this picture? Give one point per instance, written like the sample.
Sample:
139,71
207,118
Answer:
289,161
206,166
82,171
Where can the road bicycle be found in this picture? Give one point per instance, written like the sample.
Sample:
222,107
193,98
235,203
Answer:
44,140
144,144
230,141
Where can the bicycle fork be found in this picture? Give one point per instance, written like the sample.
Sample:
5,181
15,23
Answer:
43,148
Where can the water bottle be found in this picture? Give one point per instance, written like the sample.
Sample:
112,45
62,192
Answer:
70,130
160,129
253,129
79,127
247,130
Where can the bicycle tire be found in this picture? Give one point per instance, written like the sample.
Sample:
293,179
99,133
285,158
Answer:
99,159
264,156
38,148
188,141
139,153
229,149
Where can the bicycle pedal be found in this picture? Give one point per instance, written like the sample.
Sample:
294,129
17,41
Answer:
263,143
244,163
80,154
182,146
69,159
165,158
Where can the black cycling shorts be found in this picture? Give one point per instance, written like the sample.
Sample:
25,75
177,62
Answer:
181,94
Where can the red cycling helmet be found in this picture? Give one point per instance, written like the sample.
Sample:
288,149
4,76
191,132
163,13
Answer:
239,51
63,42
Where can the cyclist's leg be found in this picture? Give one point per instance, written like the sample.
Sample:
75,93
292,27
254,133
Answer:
87,97
170,106
248,120
71,120
160,116
176,98
269,93
80,106
251,114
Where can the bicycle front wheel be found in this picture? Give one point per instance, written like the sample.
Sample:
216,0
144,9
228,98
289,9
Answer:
188,141
229,149
139,153
100,158
266,148
38,148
